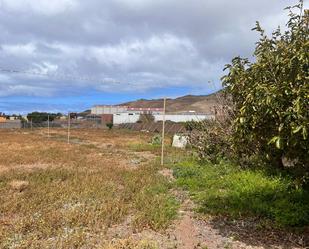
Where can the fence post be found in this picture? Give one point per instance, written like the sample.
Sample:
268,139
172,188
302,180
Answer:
69,126
48,135
163,132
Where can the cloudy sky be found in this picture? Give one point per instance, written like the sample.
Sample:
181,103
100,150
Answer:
79,53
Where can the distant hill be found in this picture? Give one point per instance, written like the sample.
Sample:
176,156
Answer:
197,103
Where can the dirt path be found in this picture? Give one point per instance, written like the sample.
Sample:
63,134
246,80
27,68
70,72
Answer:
193,232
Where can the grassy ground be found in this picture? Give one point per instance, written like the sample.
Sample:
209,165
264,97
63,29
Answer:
56,195
226,190
71,195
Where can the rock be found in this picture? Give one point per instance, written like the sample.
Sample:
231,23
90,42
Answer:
135,161
18,185
180,141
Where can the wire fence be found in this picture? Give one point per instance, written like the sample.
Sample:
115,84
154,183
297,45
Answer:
155,127
11,124
170,127
62,129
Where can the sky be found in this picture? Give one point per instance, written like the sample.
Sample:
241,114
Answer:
80,53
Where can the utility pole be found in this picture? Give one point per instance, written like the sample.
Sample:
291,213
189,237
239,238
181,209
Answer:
163,132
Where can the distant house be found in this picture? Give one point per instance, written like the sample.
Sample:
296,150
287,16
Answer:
2,119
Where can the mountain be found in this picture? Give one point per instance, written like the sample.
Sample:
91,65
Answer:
197,103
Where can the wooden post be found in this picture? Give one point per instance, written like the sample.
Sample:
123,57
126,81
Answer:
163,131
48,126
69,126
31,125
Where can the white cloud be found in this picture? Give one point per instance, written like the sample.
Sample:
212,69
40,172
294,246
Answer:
22,50
45,7
24,89
148,43
131,54
4,78
44,68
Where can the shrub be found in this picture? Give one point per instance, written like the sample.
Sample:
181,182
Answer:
271,95
210,139
110,125
156,140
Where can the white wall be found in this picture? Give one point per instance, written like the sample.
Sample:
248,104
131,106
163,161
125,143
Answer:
123,118
183,117
99,110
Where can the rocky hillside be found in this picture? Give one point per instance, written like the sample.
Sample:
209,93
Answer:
197,103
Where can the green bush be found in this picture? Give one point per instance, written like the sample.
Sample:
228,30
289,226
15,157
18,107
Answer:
156,140
271,95
109,125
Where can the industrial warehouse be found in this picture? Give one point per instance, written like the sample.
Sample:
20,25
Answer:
125,115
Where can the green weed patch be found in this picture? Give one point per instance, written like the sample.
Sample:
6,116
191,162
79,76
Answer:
224,189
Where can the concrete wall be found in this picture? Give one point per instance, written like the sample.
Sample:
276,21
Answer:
184,117
123,118
14,124
99,110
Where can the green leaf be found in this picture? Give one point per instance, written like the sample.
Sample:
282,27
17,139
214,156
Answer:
305,134
273,140
279,143
297,129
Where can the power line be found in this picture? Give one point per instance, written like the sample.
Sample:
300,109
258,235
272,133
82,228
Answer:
78,78
60,76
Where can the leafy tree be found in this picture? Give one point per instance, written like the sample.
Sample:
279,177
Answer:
39,117
271,94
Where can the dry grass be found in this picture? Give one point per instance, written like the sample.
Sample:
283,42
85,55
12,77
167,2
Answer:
75,193
131,244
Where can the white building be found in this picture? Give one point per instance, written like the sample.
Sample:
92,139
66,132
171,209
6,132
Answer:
114,109
184,117
124,118
108,109
124,114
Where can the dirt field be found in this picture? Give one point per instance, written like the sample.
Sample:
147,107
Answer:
56,195
104,190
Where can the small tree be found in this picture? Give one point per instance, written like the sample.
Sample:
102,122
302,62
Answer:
39,117
271,95
109,125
